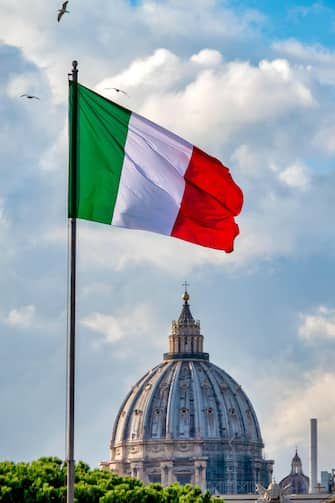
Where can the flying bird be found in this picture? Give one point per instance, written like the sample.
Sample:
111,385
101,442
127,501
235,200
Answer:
117,90
29,96
62,10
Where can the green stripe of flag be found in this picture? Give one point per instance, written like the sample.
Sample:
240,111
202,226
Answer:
101,137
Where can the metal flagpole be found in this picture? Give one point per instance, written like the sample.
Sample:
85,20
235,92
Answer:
72,297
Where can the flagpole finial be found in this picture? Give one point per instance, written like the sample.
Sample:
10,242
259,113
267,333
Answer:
74,64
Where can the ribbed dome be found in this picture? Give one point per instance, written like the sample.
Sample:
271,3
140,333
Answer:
188,420
187,399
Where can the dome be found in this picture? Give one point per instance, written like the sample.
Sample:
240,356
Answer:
187,399
296,482
189,413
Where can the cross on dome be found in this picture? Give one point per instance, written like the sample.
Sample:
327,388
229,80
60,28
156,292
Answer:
185,295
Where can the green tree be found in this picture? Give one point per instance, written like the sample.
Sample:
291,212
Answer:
44,481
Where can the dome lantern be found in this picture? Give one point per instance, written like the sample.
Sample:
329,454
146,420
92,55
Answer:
185,340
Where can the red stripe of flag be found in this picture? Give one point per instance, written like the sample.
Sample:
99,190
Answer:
211,200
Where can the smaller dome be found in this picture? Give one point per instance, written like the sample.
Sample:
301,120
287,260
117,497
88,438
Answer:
296,482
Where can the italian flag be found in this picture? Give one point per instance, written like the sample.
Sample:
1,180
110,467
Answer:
129,172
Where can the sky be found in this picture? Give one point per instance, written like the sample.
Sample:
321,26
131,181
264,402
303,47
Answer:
251,82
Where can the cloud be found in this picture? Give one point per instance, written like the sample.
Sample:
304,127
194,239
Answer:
110,327
22,317
319,325
314,9
207,57
96,36
306,53
217,103
161,70
287,423
216,20
139,325
27,317
296,176
318,60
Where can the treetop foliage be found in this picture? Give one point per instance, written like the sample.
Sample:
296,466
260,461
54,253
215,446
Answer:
44,481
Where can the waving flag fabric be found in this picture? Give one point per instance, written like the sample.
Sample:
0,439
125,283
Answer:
130,172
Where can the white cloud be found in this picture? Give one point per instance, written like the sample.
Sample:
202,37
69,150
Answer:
137,325
27,317
110,327
304,52
97,241
99,38
318,61
296,176
217,103
22,317
160,71
319,325
207,57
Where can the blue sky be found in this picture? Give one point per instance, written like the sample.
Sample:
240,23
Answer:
251,82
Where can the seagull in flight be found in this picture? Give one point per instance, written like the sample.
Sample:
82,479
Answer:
29,96
62,10
117,90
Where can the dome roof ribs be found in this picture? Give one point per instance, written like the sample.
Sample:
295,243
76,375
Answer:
148,412
199,426
218,399
170,414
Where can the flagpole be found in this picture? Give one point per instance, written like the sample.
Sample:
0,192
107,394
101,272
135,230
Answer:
72,296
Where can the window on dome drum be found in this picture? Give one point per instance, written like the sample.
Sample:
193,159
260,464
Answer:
184,478
154,478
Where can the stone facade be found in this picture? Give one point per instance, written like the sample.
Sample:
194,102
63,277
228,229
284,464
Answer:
187,420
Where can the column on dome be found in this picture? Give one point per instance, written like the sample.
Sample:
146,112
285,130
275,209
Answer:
167,477
256,471
200,466
137,470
